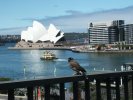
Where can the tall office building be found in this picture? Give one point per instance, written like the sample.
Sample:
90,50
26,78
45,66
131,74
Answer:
128,33
117,23
102,33
120,25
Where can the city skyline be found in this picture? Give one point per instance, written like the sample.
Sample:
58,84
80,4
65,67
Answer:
69,16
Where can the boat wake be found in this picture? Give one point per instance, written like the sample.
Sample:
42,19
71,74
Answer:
60,60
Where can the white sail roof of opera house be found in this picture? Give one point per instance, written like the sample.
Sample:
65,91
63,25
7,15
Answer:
39,33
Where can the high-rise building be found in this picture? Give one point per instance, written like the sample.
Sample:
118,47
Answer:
120,25
128,33
117,23
102,33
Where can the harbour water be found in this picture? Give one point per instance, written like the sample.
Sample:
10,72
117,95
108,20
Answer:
26,64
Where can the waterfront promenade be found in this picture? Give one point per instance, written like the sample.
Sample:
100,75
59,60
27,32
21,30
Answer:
78,49
49,46
38,46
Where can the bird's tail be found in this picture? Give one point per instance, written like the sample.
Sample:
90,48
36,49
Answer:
84,74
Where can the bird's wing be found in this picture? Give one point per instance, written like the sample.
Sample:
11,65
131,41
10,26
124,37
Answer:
76,66
81,69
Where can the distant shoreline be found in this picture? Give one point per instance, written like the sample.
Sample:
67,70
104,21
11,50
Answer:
73,50
121,51
44,48
22,45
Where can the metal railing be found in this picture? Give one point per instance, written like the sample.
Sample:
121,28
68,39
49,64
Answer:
122,85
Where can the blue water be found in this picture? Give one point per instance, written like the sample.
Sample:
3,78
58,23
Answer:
26,64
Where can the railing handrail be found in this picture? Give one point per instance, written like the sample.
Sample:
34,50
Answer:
108,78
56,80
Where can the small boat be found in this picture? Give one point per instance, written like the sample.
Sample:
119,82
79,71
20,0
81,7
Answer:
48,56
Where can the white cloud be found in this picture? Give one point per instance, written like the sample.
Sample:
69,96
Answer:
76,21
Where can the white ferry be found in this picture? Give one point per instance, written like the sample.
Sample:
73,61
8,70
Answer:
48,56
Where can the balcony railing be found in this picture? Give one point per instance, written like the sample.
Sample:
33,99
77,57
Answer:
122,86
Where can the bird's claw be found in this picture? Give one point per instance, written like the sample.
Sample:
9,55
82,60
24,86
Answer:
77,74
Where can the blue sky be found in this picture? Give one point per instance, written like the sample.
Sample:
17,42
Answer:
67,15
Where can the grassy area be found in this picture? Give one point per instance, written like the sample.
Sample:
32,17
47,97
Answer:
4,79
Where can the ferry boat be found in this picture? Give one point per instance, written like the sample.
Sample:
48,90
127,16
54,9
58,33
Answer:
48,56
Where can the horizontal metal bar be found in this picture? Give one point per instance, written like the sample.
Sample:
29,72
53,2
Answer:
39,82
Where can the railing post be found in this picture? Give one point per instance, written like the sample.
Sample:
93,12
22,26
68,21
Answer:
126,96
11,94
35,93
117,80
98,90
132,87
108,88
75,90
47,92
87,90
30,93
62,92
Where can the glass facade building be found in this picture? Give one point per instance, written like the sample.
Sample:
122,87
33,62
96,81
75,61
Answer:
102,33
128,33
109,33
120,25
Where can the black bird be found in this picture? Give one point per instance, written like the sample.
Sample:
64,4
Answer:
76,67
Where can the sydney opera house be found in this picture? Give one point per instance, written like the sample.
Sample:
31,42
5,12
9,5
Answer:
38,33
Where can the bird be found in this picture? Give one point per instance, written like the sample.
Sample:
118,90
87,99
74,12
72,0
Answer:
75,66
